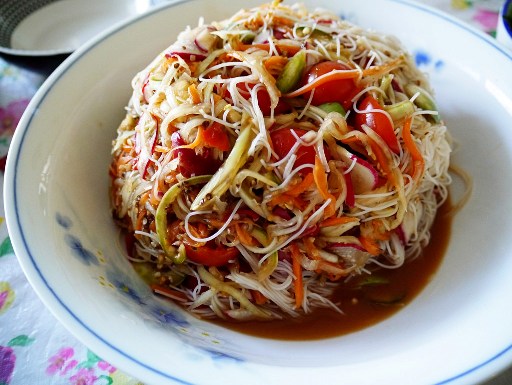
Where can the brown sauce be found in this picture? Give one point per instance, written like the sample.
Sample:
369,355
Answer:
386,292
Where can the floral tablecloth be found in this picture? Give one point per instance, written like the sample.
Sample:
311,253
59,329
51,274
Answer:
34,347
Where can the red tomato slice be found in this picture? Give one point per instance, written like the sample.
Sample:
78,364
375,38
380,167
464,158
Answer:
341,91
191,163
210,256
215,136
263,100
378,122
283,140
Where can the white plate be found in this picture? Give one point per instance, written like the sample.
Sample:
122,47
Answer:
457,331
54,27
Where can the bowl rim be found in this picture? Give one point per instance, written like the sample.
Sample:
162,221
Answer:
499,361
507,7
66,50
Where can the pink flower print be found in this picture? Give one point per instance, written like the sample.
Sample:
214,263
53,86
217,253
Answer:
106,367
487,19
85,376
61,362
11,114
7,362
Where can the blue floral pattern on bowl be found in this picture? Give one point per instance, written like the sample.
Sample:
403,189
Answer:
119,276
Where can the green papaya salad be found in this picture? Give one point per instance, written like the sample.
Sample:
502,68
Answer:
266,159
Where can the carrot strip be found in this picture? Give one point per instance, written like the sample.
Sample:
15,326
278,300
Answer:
197,141
370,246
142,210
281,20
335,221
275,64
311,249
259,298
302,186
297,272
280,199
384,68
169,293
162,149
194,94
383,162
418,162
244,237
321,182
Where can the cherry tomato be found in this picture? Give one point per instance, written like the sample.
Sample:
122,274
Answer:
215,136
341,91
211,256
378,122
191,163
263,100
283,140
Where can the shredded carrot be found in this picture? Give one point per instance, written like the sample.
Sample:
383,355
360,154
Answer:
384,68
255,22
167,292
244,236
154,200
302,186
196,233
297,272
370,246
384,164
288,199
142,211
311,249
321,182
203,230
275,64
335,221
199,140
280,199
194,94
259,298
378,230
280,21
418,162
161,149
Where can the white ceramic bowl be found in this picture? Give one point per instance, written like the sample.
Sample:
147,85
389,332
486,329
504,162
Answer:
40,34
457,331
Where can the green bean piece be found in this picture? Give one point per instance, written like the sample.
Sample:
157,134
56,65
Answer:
292,72
423,101
333,107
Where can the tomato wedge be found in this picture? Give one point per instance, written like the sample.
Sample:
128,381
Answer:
191,163
283,140
211,256
341,91
215,137
378,122
263,100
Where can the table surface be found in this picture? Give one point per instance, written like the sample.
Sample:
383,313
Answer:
34,347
